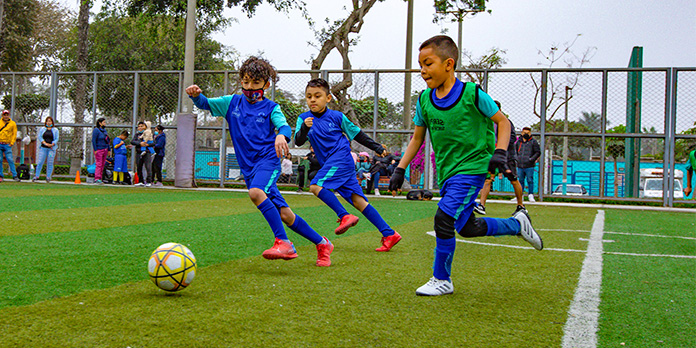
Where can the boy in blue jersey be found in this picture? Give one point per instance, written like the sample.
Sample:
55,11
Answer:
459,117
253,121
120,158
325,130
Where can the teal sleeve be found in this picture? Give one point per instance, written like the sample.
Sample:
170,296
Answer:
349,128
298,125
280,122
219,106
486,104
418,118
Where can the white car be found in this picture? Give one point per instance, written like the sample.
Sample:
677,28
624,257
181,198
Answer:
571,190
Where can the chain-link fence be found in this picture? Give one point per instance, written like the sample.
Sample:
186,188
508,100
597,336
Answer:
603,133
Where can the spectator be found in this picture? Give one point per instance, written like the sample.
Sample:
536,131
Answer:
160,144
145,151
100,146
362,168
314,167
8,136
121,158
690,167
528,153
286,169
48,134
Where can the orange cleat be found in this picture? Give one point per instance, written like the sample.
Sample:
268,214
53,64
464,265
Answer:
324,253
280,250
389,242
346,222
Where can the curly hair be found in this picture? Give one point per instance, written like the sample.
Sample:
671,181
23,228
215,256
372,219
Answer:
258,68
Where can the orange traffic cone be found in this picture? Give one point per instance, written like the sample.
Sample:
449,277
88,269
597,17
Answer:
135,178
77,177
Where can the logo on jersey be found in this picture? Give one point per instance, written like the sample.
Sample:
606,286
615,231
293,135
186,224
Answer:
261,117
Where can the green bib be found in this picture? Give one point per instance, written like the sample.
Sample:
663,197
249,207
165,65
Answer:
463,139
692,159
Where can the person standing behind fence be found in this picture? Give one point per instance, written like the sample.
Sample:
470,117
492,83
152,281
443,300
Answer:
121,158
8,136
48,134
528,153
145,150
286,169
690,168
160,145
100,146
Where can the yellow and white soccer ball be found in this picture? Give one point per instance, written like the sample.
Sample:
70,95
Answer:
172,267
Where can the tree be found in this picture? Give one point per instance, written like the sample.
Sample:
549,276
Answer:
338,36
51,36
555,55
592,120
79,98
577,146
492,59
615,148
19,20
459,7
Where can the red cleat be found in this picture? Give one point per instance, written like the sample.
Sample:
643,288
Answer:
389,242
280,250
346,222
324,253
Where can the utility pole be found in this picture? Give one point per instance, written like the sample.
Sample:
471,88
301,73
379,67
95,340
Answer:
463,7
409,54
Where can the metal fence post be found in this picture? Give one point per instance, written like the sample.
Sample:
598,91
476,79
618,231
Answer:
53,103
668,158
542,136
223,146
135,117
603,141
375,107
673,118
12,103
94,99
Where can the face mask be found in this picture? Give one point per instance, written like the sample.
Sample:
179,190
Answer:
49,126
526,136
253,95
140,132
156,133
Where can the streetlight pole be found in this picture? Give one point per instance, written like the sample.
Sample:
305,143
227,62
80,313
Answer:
460,19
463,7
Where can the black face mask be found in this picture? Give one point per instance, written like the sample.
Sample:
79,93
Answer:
526,136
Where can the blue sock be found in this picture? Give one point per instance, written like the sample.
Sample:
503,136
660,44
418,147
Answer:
303,229
271,214
444,252
330,199
371,214
502,227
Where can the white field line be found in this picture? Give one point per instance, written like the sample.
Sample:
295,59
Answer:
580,330
622,233
653,255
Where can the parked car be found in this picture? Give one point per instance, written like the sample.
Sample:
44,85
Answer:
571,190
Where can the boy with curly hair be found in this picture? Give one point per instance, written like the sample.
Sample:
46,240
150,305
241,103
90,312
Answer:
253,121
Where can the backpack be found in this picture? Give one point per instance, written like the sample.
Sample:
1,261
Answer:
23,172
419,195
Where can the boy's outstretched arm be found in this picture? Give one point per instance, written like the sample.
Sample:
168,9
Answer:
397,178
499,159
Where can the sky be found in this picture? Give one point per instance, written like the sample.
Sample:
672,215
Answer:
665,29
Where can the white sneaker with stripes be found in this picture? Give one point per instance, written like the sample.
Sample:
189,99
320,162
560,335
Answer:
435,287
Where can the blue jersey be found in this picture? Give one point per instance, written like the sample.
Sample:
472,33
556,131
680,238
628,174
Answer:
252,128
121,150
327,137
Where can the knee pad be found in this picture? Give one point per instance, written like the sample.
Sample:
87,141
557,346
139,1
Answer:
474,227
444,225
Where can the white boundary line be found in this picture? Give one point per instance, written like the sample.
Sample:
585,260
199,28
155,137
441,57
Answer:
580,330
621,233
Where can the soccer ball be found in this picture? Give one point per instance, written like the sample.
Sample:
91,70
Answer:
172,267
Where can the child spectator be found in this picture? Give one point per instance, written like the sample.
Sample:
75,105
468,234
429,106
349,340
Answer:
325,128
160,145
286,169
253,121
121,158
459,117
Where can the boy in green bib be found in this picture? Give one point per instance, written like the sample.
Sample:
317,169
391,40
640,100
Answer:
690,167
459,117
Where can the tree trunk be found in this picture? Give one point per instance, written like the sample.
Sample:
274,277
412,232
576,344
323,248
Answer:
339,40
76,148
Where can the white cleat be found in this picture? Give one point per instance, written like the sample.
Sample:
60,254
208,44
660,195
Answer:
527,232
531,198
436,287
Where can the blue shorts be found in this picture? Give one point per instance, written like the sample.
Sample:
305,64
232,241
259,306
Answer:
341,180
265,179
459,197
